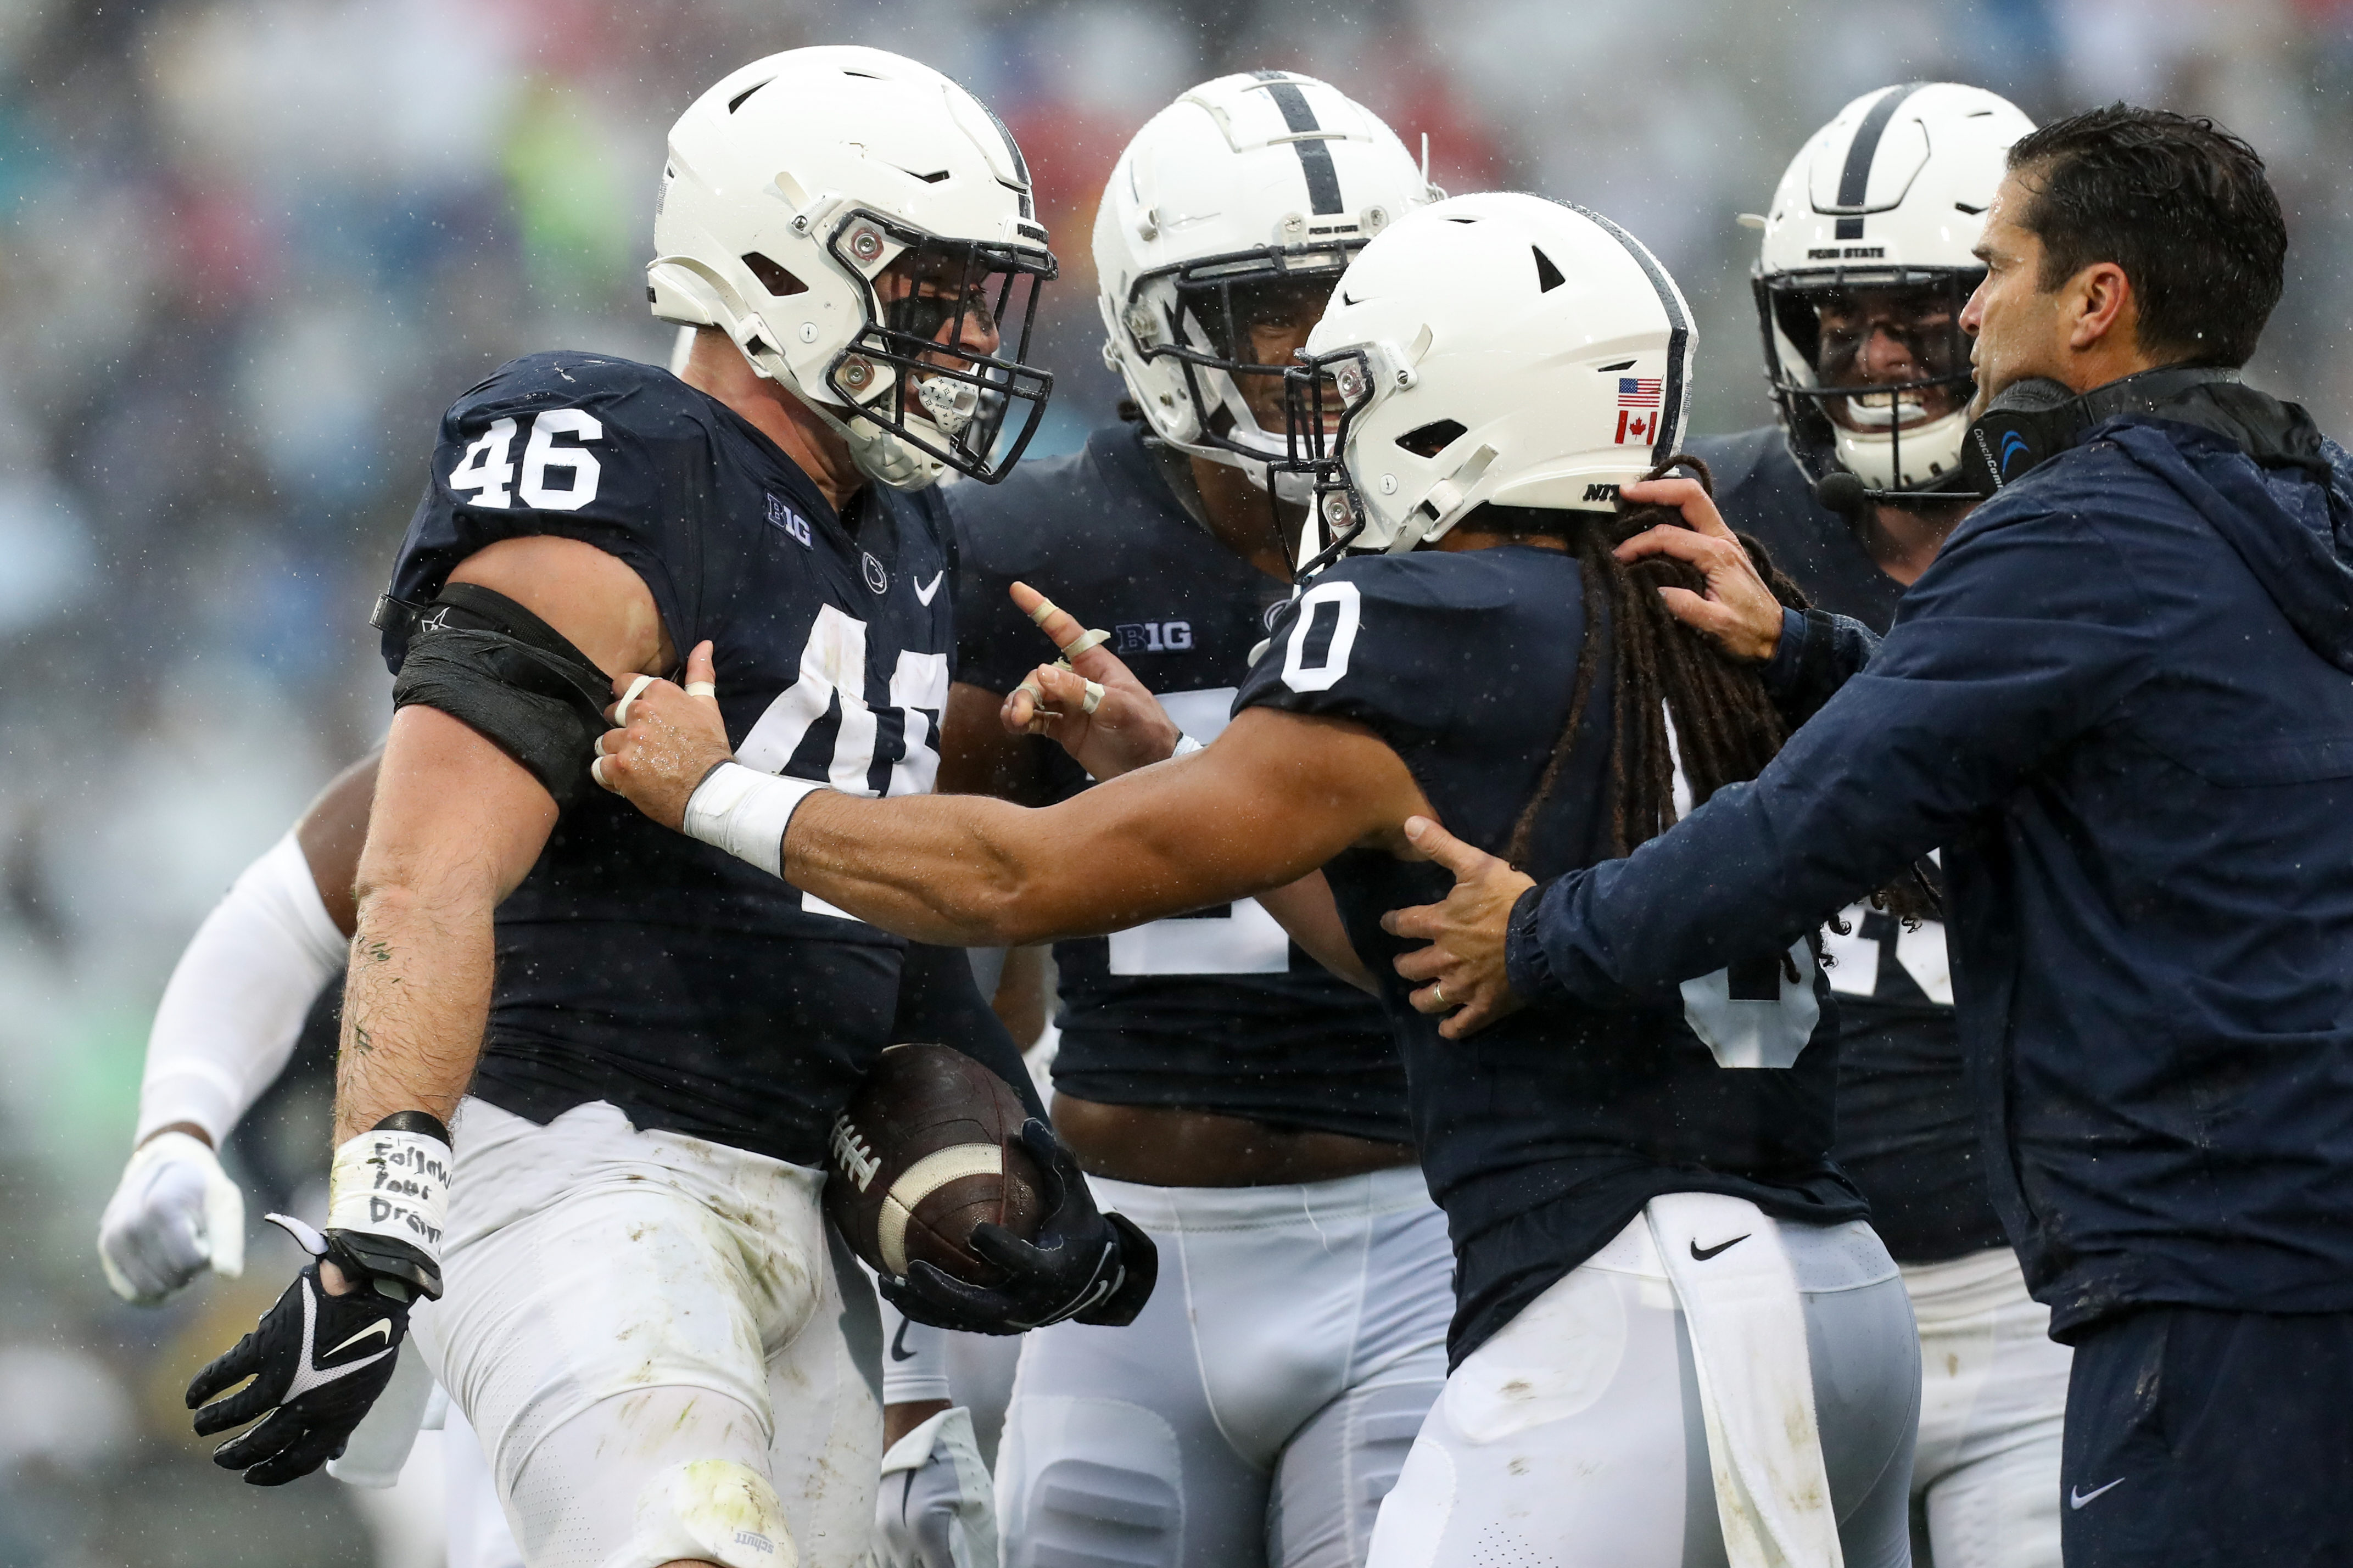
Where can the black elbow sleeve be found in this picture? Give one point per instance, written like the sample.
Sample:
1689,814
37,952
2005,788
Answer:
493,665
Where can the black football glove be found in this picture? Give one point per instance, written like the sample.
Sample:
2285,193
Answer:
317,1363
1097,1268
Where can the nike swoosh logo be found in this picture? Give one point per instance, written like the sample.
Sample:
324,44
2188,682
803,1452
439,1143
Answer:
923,594
381,1326
2076,1499
1701,1255
899,1351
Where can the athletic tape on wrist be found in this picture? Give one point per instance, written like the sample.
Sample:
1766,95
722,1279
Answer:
746,812
394,1184
1186,746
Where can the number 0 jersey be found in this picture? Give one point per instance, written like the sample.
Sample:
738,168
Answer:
1544,1134
1908,1132
637,965
1217,1011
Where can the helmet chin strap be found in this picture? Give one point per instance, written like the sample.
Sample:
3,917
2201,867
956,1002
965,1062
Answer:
878,453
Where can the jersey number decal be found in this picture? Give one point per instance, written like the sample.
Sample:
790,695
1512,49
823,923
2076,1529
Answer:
833,673
1246,939
1754,1015
488,468
1861,955
1332,666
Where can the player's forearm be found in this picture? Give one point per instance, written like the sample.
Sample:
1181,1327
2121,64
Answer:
967,872
415,1000
957,871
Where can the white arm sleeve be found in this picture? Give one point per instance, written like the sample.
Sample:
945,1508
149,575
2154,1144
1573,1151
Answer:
237,998
914,1360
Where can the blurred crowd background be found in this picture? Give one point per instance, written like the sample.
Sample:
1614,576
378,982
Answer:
249,248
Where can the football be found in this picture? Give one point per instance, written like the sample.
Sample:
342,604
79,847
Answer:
928,1148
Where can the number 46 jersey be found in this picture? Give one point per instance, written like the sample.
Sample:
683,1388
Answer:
636,965
1544,1134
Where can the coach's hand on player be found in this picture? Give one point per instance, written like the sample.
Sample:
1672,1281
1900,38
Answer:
1736,609
1091,704
665,739
318,1360
1085,1264
1464,960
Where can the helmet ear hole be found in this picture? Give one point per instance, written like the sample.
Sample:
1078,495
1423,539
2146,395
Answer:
773,277
1429,440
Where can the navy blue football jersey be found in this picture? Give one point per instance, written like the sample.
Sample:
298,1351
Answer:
1543,1135
636,965
1216,1011
1907,1131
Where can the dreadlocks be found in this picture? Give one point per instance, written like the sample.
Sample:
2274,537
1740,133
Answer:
1725,727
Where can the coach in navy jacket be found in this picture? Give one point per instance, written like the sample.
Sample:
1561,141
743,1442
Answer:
2121,703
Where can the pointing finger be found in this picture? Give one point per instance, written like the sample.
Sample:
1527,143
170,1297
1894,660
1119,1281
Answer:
1073,641
1057,623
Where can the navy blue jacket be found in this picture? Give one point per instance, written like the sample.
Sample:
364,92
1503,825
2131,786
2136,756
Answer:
2121,701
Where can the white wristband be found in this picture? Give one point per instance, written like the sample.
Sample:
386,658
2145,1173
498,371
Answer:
1186,746
393,1184
746,812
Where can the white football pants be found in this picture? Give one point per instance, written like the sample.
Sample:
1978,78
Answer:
1258,1410
1985,1479
661,1354
1577,1436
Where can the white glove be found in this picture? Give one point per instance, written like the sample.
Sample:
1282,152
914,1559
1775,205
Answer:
176,1212
936,1507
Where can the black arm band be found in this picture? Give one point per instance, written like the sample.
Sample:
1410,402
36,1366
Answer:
492,665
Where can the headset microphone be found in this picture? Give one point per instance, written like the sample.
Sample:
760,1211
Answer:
1843,493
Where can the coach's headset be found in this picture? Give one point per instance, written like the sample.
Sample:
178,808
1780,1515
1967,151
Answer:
2036,419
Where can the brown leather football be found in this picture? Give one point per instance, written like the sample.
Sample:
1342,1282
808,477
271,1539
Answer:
928,1148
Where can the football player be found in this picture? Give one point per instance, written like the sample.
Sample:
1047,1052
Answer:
1676,1338
1864,267
1221,1087
643,1316
225,1028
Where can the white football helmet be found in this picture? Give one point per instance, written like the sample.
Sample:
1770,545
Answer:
1496,348
792,185
1889,197
1242,182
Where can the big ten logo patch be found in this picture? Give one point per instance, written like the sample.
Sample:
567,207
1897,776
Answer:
784,517
1152,637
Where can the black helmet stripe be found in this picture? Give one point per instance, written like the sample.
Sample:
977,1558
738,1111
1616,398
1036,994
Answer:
1854,180
1670,410
1021,165
1314,158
